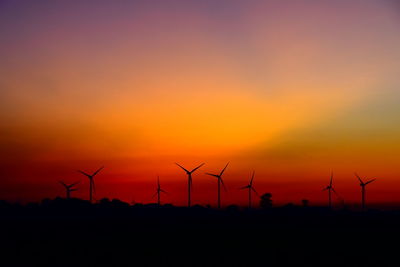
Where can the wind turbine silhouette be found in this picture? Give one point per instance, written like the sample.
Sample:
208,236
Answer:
91,179
250,188
189,174
159,191
69,188
362,184
220,181
330,190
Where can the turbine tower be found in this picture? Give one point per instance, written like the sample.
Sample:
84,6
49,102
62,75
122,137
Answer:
330,189
250,188
189,174
220,181
159,191
69,188
362,184
91,179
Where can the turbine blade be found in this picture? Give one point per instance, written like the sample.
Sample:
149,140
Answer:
61,182
222,172
223,185
96,172
244,187
197,167
334,191
215,175
84,173
359,178
165,192
330,184
326,188
155,194
252,178
72,185
252,188
370,181
181,167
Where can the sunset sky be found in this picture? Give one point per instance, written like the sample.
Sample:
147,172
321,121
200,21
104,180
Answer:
290,89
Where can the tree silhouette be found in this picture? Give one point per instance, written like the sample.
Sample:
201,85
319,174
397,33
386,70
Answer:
305,203
266,201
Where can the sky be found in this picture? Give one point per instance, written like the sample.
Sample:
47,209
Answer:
291,89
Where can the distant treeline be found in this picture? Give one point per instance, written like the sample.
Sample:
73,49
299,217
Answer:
63,206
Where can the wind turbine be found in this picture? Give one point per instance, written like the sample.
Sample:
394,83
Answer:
159,191
91,179
330,190
362,184
69,188
250,188
189,174
220,181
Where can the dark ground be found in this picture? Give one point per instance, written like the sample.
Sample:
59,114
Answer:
76,233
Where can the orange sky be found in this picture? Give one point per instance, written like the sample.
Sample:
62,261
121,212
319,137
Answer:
292,90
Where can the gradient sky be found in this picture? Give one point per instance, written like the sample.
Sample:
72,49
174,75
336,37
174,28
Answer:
291,89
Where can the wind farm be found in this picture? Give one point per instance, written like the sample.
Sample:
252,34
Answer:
199,133
229,229
221,185
69,188
72,187
145,97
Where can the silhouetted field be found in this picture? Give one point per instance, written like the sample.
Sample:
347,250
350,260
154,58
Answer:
112,233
